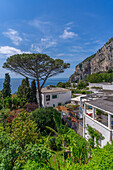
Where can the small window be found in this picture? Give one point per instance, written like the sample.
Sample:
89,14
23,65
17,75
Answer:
53,105
59,104
48,98
54,96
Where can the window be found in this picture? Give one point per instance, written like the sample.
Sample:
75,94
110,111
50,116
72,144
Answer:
54,96
53,105
48,98
59,104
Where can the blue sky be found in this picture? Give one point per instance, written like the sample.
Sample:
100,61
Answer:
67,29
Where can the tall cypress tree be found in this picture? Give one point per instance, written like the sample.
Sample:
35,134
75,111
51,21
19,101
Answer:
24,90
33,92
6,86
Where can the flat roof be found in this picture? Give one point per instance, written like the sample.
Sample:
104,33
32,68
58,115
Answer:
54,89
78,98
107,91
104,83
105,104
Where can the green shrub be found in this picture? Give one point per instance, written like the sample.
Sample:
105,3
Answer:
45,117
101,159
100,77
1,106
64,85
55,144
96,87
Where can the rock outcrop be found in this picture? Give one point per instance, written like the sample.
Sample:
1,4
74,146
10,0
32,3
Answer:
99,62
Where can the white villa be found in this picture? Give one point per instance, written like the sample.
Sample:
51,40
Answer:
102,121
104,86
55,96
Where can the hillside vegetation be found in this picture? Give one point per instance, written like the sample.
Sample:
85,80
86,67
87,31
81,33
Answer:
100,77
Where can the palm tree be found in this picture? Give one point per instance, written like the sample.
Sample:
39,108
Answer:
61,133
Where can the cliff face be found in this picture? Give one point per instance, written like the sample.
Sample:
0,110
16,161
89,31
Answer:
99,62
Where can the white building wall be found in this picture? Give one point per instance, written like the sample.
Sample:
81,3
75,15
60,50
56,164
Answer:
62,97
95,85
104,86
105,131
108,87
80,112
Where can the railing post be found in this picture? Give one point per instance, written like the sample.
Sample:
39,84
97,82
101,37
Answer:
80,101
93,113
84,112
109,121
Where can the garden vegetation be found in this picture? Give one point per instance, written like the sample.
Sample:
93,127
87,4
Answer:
34,138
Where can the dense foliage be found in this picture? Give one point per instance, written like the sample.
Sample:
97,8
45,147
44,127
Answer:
34,138
24,130
45,117
24,89
82,84
78,146
13,156
64,85
33,98
12,103
100,77
101,159
80,91
26,92
21,142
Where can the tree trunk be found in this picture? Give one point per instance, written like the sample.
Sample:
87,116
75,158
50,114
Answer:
63,155
40,97
39,93
55,162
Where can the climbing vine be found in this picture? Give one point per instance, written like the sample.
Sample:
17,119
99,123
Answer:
94,136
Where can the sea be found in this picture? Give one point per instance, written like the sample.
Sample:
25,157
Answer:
15,82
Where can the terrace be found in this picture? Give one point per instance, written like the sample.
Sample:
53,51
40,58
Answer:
99,115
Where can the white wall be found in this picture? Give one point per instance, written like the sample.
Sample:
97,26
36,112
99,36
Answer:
62,97
105,131
104,86
80,112
95,85
108,87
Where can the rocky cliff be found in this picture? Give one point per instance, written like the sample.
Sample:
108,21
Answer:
98,62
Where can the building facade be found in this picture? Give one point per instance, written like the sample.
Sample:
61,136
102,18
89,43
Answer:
100,118
54,96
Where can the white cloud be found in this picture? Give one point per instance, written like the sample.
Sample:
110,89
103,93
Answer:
44,39
13,35
35,47
51,44
8,51
60,54
65,54
68,34
78,49
37,23
44,44
70,23
42,26
95,42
